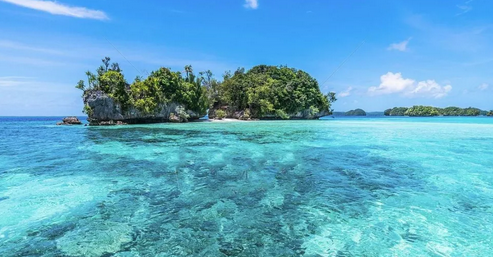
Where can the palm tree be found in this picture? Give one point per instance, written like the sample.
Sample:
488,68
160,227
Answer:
188,70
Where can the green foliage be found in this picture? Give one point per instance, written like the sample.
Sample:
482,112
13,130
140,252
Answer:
398,111
387,112
490,113
267,90
87,110
313,110
471,111
113,83
181,113
430,111
456,111
80,85
246,114
422,111
356,112
263,90
220,114
149,95
145,96
164,86
282,115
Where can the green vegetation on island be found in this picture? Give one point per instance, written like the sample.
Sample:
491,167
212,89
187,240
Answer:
396,111
272,92
456,111
490,113
147,96
422,111
355,112
426,111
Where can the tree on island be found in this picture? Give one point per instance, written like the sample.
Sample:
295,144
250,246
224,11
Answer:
272,92
422,111
262,92
490,113
147,95
356,112
457,111
432,111
396,111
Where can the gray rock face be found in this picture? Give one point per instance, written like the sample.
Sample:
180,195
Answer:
71,120
103,107
105,111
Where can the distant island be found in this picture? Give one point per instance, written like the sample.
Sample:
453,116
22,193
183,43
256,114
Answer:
263,92
356,112
429,111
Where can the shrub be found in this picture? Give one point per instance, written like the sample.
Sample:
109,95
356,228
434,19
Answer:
313,110
282,114
220,114
181,113
422,111
398,111
246,114
87,110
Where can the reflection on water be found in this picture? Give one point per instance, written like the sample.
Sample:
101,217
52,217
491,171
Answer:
299,188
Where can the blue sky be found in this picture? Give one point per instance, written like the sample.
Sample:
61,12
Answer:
404,52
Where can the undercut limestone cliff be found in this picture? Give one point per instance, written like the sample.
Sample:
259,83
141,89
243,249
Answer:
101,109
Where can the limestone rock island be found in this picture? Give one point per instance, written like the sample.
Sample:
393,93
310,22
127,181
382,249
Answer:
263,92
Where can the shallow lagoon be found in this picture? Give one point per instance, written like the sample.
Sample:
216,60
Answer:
335,187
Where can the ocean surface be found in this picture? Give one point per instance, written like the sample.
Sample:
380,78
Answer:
334,187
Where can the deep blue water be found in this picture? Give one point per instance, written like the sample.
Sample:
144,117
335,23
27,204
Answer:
334,187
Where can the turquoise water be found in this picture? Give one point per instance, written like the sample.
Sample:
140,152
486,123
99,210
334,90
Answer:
335,187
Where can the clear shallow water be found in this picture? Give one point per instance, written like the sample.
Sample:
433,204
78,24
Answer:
336,187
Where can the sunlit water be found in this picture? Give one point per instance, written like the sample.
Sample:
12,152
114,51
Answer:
336,187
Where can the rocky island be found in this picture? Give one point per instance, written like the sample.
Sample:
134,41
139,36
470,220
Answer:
70,120
428,111
263,92
269,92
355,112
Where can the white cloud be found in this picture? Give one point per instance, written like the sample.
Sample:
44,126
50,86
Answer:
483,87
402,46
463,9
60,9
252,4
20,46
429,88
11,81
346,92
391,83
394,83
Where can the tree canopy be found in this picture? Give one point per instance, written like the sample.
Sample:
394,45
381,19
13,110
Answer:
147,95
396,111
272,90
356,112
432,111
264,90
422,111
456,111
